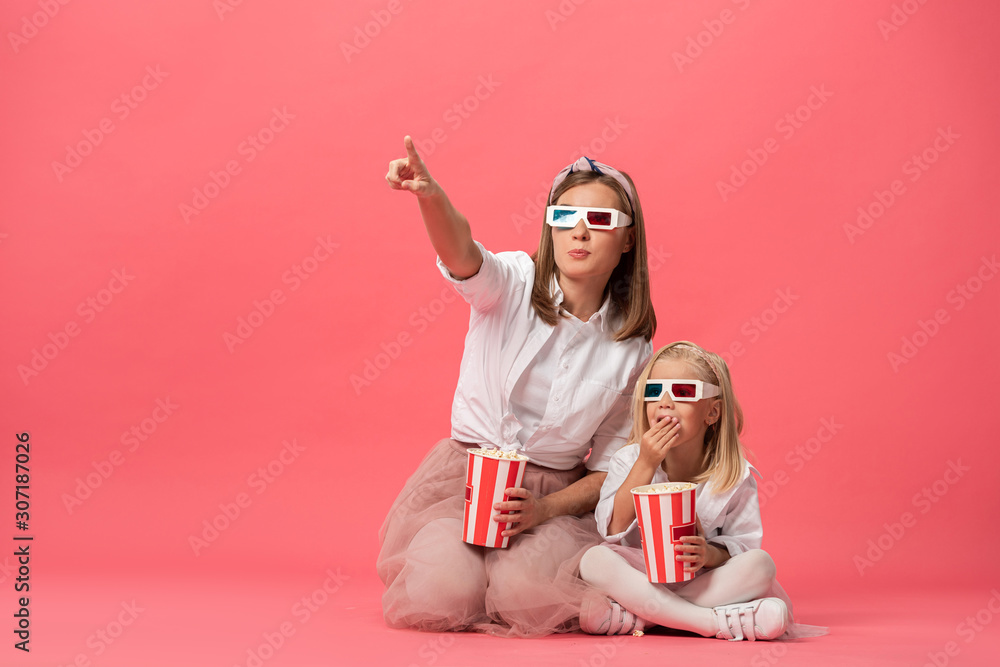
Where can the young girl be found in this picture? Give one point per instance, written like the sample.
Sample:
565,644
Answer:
686,429
555,343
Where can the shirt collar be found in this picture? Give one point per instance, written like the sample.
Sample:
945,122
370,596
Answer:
599,318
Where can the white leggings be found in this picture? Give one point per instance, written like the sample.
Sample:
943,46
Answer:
688,606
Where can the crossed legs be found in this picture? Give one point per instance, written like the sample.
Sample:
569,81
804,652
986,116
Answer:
744,577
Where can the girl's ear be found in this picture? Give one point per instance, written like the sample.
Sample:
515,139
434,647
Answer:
715,412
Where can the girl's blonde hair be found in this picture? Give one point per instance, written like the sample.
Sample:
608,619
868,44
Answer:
723,460
629,282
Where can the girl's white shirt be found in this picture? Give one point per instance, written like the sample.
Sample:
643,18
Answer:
587,376
731,519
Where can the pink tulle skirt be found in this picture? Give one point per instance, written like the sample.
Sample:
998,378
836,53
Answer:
434,581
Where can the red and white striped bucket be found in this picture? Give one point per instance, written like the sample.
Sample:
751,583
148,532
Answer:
487,478
664,517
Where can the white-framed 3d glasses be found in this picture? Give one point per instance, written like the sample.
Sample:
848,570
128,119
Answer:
687,391
567,217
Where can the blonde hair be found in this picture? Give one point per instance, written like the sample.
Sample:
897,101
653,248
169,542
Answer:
723,458
628,285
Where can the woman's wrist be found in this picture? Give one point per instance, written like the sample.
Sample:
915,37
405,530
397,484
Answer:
549,510
433,195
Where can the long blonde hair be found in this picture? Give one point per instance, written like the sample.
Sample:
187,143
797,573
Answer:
723,459
629,282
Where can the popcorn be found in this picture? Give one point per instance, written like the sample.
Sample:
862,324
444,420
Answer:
669,487
638,633
496,453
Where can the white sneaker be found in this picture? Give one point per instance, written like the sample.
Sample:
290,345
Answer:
766,618
604,616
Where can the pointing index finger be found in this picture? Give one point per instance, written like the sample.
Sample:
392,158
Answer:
411,151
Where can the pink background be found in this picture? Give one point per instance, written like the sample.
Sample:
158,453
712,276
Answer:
499,96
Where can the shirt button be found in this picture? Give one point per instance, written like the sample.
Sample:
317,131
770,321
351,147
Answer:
556,399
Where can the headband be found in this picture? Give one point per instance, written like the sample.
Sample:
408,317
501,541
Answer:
701,353
586,164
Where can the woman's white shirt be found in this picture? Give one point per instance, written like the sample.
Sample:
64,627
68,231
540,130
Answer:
512,359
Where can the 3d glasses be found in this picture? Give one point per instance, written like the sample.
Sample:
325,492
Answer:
687,391
567,217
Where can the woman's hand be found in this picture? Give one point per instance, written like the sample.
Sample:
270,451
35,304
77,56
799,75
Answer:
447,229
524,514
410,173
658,440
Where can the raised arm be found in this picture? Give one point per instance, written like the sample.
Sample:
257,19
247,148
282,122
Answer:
447,229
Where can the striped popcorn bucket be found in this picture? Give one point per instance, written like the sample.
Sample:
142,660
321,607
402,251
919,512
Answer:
664,518
486,480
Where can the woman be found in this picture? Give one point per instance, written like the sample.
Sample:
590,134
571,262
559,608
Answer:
555,343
